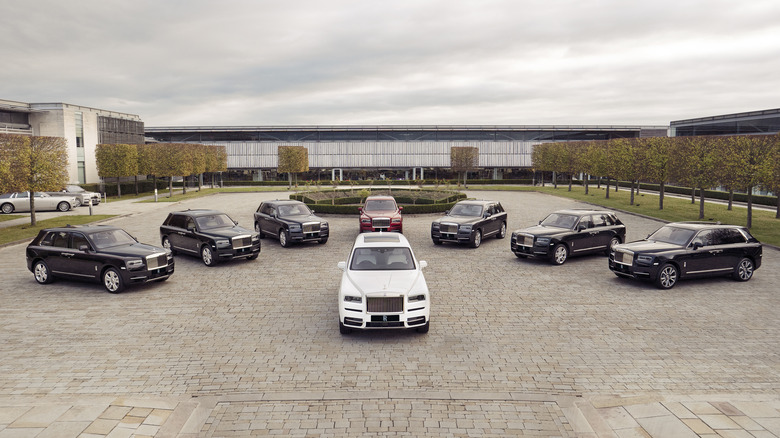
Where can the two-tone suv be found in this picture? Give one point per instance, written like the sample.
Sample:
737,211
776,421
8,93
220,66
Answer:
97,253
209,234
291,222
688,250
567,233
381,213
470,222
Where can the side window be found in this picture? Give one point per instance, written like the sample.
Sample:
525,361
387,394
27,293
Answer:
736,237
608,220
728,236
704,238
586,221
491,210
189,223
48,239
499,208
77,240
60,240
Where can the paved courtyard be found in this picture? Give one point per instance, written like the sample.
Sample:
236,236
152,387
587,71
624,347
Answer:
516,347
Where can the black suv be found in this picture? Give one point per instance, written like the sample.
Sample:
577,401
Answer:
290,221
97,253
566,233
470,222
210,234
687,250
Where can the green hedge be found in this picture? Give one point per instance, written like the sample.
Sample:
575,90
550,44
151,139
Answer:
350,204
408,209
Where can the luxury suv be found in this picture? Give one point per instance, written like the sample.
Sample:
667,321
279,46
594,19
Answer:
382,286
470,222
290,221
97,253
209,234
686,250
567,233
381,213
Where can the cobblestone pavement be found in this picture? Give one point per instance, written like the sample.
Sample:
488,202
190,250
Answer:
516,347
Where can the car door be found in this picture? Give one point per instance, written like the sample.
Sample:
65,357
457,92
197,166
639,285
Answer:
708,255
584,236
489,222
269,222
188,237
84,261
602,230
174,229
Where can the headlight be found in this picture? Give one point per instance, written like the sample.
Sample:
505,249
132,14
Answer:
255,237
323,225
543,241
465,228
134,264
396,221
295,228
365,221
435,225
351,299
644,260
223,243
414,298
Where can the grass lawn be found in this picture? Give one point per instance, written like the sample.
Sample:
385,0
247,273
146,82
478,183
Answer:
766,227
8,217
23,232
162,196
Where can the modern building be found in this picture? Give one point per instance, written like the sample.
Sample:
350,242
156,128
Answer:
753,122
83,128
413,150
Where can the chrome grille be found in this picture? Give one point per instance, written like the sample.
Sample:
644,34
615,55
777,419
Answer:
311,227
528,240
381,222
155,261
384,304
625,258
449,228
241,242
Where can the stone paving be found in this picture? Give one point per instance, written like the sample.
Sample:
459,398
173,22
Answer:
516,347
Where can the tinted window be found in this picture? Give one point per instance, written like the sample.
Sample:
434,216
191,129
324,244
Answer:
214,221
294,210
78,240
109,238
60,240
382,259
560,220
466,210
380,205
48,239
670,234
176,220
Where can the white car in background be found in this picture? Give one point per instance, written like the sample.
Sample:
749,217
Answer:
82,196
20,202
382,286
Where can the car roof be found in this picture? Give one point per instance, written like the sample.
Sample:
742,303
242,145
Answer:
381,197
582,211
693,225
86,229
198,212
282,201
381,239
477,202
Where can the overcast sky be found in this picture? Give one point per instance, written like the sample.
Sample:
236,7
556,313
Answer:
336,62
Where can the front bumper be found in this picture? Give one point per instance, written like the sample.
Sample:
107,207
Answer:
354,316
633,270
520,246
300,236
460,236
240,253
147,275
368,228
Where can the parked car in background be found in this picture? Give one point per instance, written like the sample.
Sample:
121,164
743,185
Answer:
470,222
82,196
20,202
381,213
209,234
683,250
382,286
567,233
291,222
96,253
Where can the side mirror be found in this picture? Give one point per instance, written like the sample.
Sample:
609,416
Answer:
191,229
581,227
540,222
342,266
486,215
423,264
400,208
83,248
312,212
697,245
360,209
446,212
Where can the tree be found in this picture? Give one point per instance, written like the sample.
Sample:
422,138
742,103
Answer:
117,161
216,160
12,169
770,174
172,160
541,158
464,159
659,163
749,155
292,160
696,163
147,160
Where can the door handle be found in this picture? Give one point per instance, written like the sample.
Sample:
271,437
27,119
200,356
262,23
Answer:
67,254
716,251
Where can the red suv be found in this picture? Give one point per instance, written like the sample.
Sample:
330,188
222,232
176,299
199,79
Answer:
381,213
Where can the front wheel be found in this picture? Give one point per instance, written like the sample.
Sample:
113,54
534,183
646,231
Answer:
323,241
258,230
207,255
112,281
560,254
436,241
166,243
42,273
424,328
502,231
612,242
667,276
344,330
744,270
7,208
63,206
284,238
476,239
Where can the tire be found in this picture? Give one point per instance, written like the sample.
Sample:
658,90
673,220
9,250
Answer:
253,257
344,330
436,241
667,276
284,238
323,241
166,243
7,208
744,270
424,328
259,231
502,232
112,281
207,256
476,239
612,242
521,256
560,254
63,206
42,272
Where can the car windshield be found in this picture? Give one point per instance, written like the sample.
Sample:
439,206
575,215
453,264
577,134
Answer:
380,205
294,210
474,210
382,259
669,234
109,238
75,189
560,220
214,221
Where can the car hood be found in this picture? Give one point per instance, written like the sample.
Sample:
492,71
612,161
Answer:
543,230
460,220
381,283
301,219
380,213
226,232
133,250
648,246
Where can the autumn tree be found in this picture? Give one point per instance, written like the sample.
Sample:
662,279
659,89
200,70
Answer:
770,176
748,158
292,160
216,160
697,159
464,159
12,149
658,159
117,161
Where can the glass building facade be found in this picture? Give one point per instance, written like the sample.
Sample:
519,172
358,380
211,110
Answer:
754,122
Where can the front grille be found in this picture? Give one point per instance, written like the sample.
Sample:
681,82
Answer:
155,261
625,258
311,227
449,228
528,241
382,222
241,242
385,324
384,304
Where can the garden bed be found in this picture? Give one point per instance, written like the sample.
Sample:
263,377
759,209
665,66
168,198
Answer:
347,201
